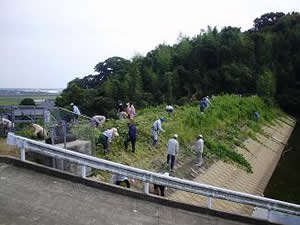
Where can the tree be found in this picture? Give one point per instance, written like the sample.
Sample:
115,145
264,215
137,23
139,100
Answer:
27,101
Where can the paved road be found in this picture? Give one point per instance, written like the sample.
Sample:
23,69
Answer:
28,198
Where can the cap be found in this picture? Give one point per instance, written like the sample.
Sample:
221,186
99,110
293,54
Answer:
162,119
72,103
175,135
200,136
115,131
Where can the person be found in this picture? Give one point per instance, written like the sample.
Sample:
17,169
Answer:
199,145
173,150
7,125
131,136
206,99
169,109
106,137
99,120
119,179
256,116
202,106
75,111
38,131
120,107
156,128
160,188
130,111
123,115
6,122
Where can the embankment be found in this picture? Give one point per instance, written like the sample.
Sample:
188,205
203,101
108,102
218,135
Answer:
263,154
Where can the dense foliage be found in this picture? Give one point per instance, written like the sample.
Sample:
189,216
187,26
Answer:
264,60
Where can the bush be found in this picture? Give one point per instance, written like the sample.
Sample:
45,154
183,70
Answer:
27,101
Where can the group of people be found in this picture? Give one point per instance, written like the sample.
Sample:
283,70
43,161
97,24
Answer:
127,111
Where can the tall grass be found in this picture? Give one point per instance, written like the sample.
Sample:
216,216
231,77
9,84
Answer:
225,124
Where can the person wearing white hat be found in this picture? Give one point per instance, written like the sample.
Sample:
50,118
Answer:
156,128
199,145
75,111
173,150
106,137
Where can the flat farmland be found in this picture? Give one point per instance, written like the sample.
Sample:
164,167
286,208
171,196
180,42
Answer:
15,100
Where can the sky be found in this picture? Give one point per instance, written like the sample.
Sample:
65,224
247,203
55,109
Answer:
47,43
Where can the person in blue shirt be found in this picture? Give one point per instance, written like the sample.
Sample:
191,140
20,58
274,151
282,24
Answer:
202,106
131,136
256,116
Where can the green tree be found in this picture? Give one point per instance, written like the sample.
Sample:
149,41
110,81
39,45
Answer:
27,101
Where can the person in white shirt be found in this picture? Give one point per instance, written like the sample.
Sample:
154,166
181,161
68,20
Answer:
156,128
169,109
7,123
173,150
199,146
75,111
38,131
106,137
99,120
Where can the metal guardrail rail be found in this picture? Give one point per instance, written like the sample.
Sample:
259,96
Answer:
26,144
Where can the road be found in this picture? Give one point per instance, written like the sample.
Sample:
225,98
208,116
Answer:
29,197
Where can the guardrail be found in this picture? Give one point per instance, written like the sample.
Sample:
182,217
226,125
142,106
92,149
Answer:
26,144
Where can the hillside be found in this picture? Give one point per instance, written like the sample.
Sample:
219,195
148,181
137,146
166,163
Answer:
226,124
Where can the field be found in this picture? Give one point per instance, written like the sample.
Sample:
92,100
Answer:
15,100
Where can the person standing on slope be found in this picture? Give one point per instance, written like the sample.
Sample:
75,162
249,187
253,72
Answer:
156,128
173,150
75,111
199,145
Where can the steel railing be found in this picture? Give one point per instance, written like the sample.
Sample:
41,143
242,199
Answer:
209,191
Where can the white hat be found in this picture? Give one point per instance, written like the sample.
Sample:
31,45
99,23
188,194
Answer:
175,135
72,103
115,131
200,136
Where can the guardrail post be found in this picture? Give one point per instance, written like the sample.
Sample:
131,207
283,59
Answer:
209,202
22,154
83,171
269,215
146,188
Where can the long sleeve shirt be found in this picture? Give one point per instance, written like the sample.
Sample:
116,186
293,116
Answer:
173,147
76,110
199,144
157,126
132,132
108,134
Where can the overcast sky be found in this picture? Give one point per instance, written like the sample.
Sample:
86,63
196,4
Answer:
47,43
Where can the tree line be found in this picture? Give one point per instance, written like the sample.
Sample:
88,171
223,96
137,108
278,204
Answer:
264,60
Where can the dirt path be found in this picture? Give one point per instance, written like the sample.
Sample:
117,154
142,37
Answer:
263,155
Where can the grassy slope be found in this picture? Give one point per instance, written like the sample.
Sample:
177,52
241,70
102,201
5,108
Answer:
226,124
